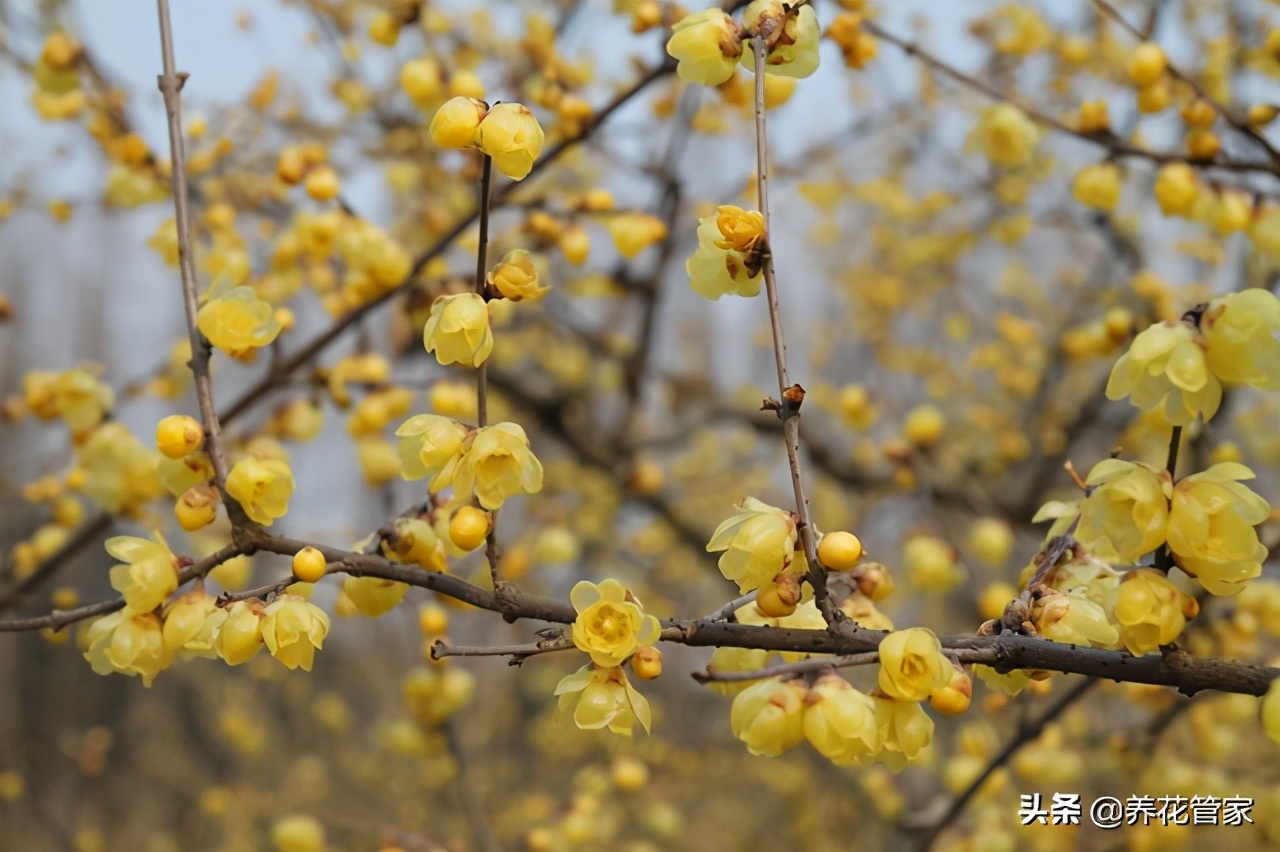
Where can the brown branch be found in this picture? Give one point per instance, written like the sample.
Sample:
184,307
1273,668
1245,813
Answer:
798,667
790,396
482,372
517,653
1028,733
1115,147
171,83
60,618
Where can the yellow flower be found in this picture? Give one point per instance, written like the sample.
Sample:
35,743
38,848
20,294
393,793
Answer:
1150,611
293,629
858,47
151,572
727,260
512,137
840,722
1165,369
1124,515
912,664
262,487
1211,528
1271,711
456,122
793,53
904,730
954,698
180,475
931,563
131,643
611,624
495,464
706,46
1073,620
239,637
428,442
516,277
235,320
374,596
1010,683
632,233
603,698
1098,186
297,833
416,542
190,624
769,716
120,472
1005,136
758,544
1240,330
178,434
432,696
457,330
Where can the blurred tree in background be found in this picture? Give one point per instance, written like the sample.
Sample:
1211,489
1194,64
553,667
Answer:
548,335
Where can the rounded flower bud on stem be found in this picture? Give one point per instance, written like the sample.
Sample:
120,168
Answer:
455,124
516,277
1150,611
912,664
262,487
177,435
511,135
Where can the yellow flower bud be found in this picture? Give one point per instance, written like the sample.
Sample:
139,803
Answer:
610,625
297,833
1199,113
839,551
646,663
262,487
1146,64
468,528
1260,115
1005,136
856,45
322,183
1156,97
177,435
458,331
1098,186
953,699
516,277
576,244
309,565
632,233
991,539
457,122
912,664
1094,117
1176,188
432,620
197,507
706,46
235,320
840,722
769,716
924,425
423,82
512,137
931,563
1203,144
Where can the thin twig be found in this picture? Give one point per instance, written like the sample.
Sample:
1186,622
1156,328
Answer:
518,653
798,667
171,83
790,396
482,372
731,607
1115,147
1026,735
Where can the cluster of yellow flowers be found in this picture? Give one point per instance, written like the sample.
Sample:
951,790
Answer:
143,639
850,727
611,627
1206,519
508,133
489,464
708,45
77,396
